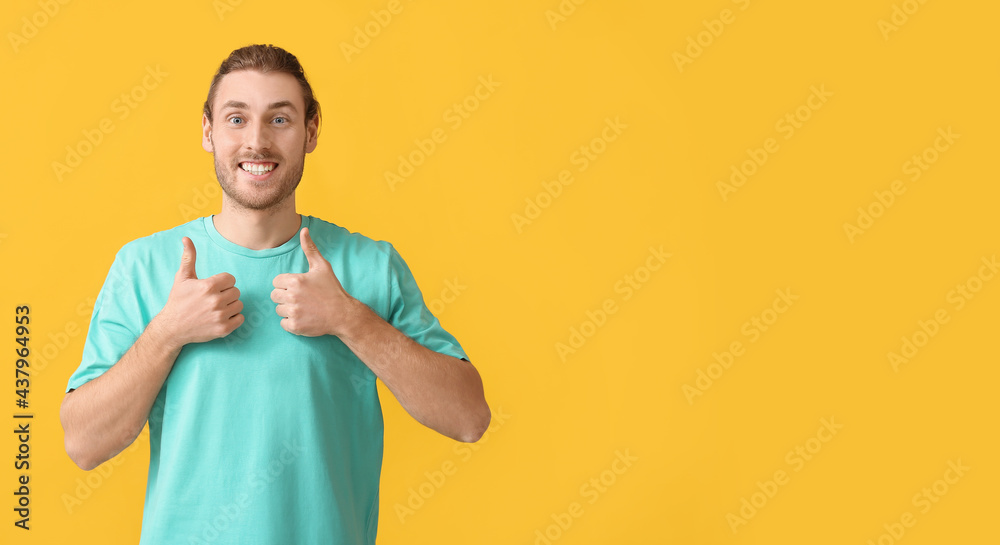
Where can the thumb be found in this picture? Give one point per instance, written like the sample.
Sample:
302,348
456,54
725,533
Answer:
309,248
186,271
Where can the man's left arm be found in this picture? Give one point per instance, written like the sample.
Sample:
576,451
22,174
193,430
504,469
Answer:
440,391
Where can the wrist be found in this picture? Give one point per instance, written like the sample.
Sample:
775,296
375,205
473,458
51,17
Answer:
160,333
355,320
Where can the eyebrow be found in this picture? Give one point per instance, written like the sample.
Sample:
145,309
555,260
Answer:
235,104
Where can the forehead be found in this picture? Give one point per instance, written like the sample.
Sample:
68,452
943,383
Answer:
259,89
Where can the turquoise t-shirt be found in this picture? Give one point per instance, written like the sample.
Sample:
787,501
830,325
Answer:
260,437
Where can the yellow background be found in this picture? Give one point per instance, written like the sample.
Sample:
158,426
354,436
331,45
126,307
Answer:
562,423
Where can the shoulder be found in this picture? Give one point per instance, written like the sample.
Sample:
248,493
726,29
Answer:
332,238
166,243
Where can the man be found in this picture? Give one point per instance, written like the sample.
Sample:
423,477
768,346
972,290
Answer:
254,359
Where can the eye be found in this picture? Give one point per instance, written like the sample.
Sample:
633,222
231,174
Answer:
281,120
236,120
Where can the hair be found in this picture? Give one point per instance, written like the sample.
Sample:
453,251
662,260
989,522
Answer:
264,58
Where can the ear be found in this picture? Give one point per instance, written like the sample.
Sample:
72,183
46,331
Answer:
312,134
206,134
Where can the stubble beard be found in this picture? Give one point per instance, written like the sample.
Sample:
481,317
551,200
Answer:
271,194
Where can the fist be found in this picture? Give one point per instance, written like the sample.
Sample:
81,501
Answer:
201,310
312,303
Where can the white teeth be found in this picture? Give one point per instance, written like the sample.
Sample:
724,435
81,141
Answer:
257,169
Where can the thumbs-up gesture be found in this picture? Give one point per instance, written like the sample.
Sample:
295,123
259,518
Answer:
312,303
201,310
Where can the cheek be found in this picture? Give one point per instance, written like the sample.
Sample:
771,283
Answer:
224,149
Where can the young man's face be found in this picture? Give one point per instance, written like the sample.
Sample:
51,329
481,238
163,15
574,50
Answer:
259,137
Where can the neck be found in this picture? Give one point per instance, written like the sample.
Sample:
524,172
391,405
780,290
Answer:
258,229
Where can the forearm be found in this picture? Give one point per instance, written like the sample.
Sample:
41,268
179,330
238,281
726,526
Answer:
441,392
104,416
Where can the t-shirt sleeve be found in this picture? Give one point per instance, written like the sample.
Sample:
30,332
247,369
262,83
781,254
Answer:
114,325
409,314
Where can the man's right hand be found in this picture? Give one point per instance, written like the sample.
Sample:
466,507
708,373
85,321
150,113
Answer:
105,415
200,310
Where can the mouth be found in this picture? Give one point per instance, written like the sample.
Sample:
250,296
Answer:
255,168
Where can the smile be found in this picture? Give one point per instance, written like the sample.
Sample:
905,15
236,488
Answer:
257,168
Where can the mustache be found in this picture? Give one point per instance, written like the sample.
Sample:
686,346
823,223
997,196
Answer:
259,159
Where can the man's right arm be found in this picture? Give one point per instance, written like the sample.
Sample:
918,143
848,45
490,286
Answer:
102,417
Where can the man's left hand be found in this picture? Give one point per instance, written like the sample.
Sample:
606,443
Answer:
312,303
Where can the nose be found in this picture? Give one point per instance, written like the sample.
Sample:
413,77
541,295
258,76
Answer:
258,138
